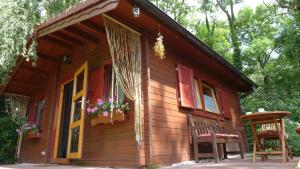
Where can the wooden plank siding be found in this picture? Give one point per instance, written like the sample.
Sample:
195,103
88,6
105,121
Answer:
166,136
104,145
170,137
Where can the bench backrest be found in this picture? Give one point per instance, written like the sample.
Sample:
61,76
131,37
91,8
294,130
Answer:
200,126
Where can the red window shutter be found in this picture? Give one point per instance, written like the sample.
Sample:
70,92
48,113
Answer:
226,103
185,86
219,98
32,116
95,87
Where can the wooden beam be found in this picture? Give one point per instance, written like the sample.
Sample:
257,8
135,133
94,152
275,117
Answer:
68,38
48,58
93,26
57,42
34,70
80,35
23,84
58,38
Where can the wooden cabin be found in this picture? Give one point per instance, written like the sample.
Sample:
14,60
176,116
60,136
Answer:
75,62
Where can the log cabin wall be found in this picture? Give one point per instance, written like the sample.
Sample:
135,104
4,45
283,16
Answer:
170,137
109,144
31,151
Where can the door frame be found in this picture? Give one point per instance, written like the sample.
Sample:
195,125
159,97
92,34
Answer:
58,119
79,123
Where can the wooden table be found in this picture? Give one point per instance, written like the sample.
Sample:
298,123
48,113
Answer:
259,118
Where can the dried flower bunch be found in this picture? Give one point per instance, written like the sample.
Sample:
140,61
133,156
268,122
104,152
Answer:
106,107
159,48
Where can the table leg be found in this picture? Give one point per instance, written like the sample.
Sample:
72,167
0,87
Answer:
254,152
282,135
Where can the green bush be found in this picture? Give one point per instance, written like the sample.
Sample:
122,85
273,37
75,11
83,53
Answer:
8,139
293,137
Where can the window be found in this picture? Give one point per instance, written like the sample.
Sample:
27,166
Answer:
210,101
39,107
197,94
107,92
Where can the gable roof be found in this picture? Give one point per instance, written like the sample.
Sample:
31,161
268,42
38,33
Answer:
90,8
163,17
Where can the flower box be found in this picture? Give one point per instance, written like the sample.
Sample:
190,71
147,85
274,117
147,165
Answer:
119,116
33,135
101,119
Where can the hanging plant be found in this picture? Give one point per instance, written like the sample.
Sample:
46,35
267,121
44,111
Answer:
159,48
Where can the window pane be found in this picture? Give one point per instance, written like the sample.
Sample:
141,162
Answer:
107,80
79,82
39,110
77,109
75,139
197,94
209,99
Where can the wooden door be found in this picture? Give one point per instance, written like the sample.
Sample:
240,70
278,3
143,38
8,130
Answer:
76,128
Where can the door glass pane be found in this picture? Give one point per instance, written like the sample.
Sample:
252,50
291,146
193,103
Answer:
75,139
79,82
77,109
209,99
197,94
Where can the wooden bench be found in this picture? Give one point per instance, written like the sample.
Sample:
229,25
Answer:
210,132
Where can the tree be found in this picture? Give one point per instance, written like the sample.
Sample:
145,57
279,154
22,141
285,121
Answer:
17,23
236,56
177,9
55,7
212,31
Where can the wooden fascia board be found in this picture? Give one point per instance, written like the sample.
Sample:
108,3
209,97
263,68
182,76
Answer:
92,11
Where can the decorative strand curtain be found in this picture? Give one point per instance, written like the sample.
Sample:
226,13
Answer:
125,50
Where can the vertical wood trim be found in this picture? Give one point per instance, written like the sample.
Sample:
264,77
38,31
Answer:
58,119
52,103
147,99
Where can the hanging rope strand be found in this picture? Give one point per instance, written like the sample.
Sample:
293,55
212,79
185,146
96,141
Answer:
125,50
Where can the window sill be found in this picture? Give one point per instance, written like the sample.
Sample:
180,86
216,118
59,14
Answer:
208,115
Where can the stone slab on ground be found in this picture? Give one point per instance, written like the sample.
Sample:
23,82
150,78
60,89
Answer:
273,163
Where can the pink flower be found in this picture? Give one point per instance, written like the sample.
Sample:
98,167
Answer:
100,102
89,110
110,99
105,113
94,109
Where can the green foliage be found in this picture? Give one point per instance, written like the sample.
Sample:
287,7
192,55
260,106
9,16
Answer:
8,140
55,7
179,10
293,137
18,19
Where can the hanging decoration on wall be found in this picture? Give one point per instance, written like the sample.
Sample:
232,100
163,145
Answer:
159,48
125,50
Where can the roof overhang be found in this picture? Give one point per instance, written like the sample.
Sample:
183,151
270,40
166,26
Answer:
78,13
